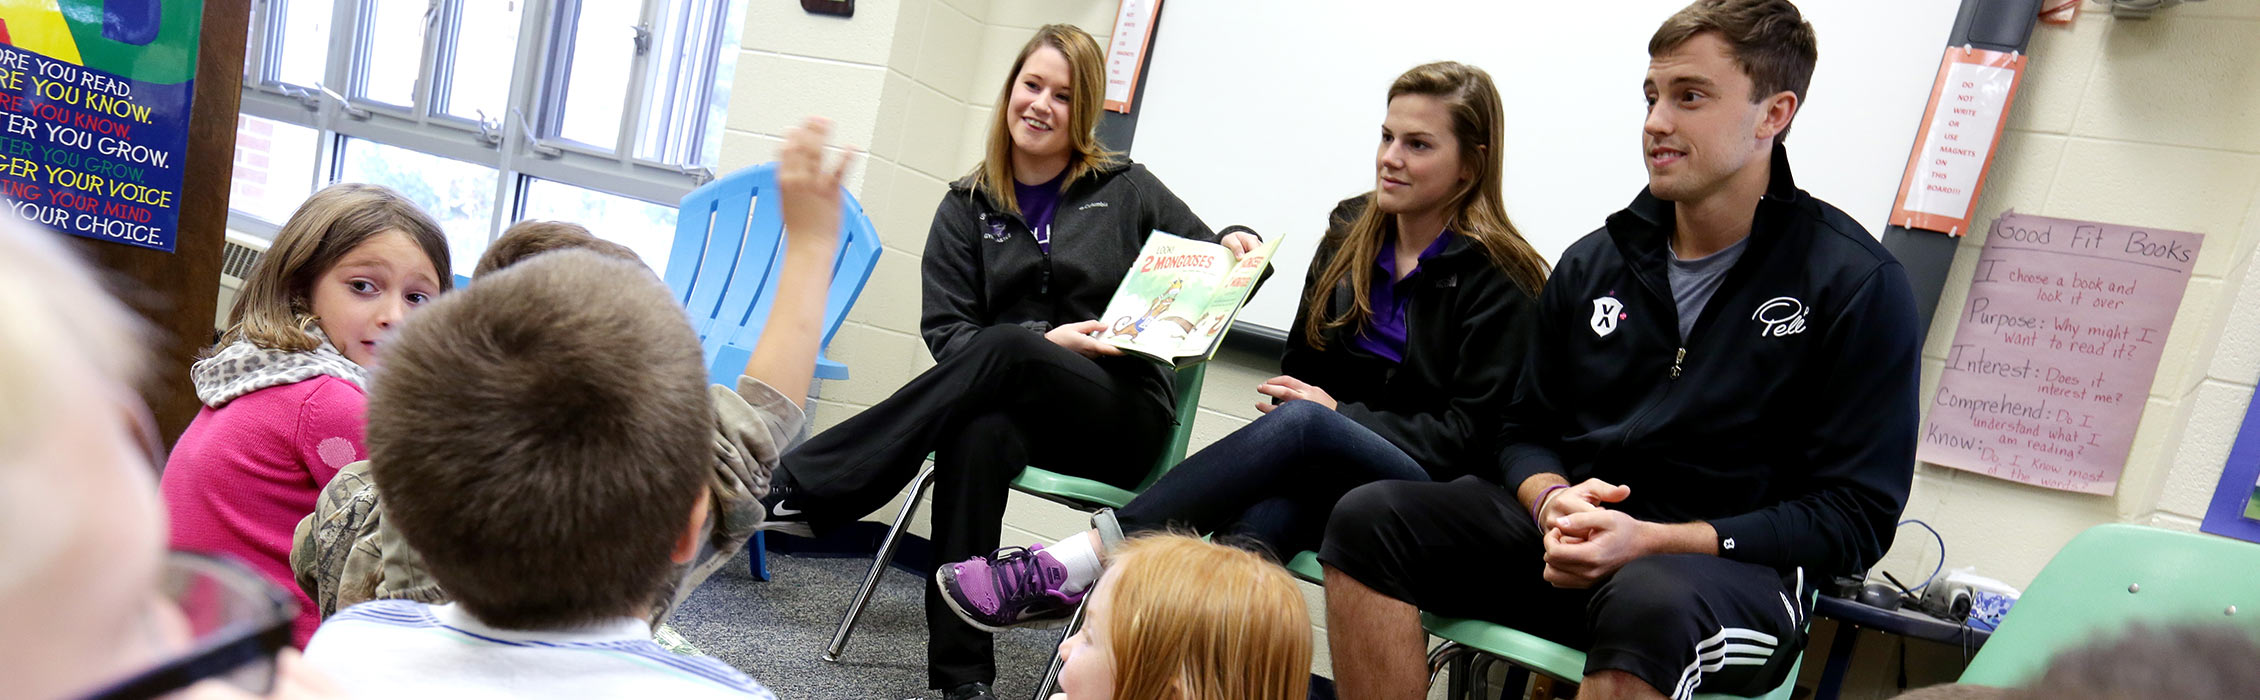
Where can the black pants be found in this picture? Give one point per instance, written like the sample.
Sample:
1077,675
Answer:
1467,548
1271,483
1009,400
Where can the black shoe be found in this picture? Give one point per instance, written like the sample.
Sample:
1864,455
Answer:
969,691
781,515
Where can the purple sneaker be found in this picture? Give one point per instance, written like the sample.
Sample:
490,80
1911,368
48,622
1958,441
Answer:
1012,587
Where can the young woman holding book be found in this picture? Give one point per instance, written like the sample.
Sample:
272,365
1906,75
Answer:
1023,255
1402,355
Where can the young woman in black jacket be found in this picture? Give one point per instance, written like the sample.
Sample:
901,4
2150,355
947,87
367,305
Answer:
1023,255
1413,323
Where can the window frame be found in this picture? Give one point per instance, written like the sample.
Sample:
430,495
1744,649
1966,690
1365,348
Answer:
520,144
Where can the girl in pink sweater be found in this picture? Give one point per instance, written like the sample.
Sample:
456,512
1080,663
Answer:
283,391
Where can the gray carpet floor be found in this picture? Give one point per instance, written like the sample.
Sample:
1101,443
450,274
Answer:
776,631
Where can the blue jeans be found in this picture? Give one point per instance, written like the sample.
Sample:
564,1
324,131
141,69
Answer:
1272,483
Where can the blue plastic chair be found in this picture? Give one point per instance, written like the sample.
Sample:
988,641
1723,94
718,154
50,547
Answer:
723,268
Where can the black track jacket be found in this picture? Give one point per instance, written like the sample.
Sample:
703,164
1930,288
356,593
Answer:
1787,420
1465,325
983,268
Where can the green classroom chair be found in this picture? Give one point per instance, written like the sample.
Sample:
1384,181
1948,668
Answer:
1470,646
1073,492
2112,576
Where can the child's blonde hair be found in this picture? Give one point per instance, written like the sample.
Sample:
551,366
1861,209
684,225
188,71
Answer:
275,309
1202,621
53,313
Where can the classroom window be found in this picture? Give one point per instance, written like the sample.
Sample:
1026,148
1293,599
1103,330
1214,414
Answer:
274,167
602,112
391,49
648,229
485,35
459,195
301,48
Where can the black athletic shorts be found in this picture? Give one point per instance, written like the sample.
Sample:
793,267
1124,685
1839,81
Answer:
1467,548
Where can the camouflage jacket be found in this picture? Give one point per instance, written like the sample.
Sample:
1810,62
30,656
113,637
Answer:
344,554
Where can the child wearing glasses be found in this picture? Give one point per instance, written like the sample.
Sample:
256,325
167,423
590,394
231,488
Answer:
93,607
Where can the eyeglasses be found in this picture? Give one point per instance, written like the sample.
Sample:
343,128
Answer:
234,618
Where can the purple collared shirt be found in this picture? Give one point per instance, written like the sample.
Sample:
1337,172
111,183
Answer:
1384,334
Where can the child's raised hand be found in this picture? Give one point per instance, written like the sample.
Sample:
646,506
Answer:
810,187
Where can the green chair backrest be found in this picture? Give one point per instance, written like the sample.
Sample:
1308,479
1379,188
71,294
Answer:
1189,382
2110,577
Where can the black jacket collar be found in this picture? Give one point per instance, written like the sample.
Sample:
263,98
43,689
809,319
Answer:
1781,186
1642,231
1099,173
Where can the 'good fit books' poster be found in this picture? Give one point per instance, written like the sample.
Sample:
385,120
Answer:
94,100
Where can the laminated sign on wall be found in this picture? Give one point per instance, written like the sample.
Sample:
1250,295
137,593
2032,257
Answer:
1974,90
2053,358
1126,51
95,97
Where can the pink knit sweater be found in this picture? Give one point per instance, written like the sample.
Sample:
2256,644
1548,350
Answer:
243,475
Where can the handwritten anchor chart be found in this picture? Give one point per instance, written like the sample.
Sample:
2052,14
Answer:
94,109
2056,349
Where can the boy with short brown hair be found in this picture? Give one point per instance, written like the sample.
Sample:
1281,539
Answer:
546,446
532,237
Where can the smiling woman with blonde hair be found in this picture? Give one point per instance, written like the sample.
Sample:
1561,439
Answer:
1024,253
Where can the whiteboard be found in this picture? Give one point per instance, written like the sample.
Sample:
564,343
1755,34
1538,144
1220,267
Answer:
1266,112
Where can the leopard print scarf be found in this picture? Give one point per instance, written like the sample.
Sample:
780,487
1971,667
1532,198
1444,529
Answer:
242,368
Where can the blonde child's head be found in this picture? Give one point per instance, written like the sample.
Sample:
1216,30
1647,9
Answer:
350,262
1176,617
82,533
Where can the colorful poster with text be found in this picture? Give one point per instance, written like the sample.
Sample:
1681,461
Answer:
2055,351
94,109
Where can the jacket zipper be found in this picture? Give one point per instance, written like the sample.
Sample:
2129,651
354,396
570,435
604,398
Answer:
1676,361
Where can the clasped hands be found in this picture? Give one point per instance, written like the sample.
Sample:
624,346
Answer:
1585,541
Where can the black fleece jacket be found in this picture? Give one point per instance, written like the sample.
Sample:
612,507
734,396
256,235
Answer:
1787,420
983,267
1465,322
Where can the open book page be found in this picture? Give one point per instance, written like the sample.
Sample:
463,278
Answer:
1224,304
1153,311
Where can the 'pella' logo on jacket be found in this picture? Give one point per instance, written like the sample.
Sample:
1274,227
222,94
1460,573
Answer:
1607,313
1781,316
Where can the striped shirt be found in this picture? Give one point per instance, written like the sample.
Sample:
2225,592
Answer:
398,648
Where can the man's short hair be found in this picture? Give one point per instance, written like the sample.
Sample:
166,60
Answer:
540,438
1770,39
532,237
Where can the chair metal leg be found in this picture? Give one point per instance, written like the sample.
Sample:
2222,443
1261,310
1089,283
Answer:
1480,684
885,556
1446,654
1459,683
1050,683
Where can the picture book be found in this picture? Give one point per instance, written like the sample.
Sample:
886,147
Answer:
1180,297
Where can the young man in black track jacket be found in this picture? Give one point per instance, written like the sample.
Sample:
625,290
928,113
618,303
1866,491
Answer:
1717,413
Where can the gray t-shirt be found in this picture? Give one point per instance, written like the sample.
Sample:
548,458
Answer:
1694,281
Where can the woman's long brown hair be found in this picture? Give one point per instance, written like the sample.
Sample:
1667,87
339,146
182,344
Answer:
1480,125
